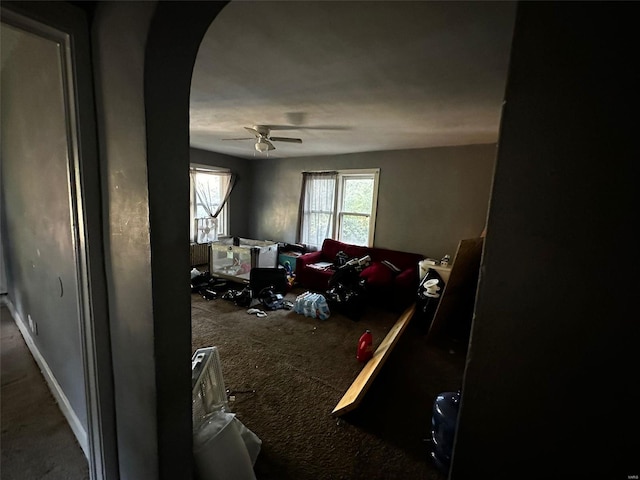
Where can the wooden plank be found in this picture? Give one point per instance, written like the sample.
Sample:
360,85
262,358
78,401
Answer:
459,292
356,392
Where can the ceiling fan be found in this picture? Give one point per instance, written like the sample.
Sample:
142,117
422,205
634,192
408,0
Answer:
262,135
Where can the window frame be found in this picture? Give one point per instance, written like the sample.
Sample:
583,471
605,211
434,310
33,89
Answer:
223,216
338,212
343,176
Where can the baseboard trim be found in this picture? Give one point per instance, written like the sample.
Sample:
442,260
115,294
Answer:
57,392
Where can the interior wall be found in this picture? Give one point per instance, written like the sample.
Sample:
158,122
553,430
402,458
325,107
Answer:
551,389
176,31
143,55
240,202
3,274
428,199
119,37
39,243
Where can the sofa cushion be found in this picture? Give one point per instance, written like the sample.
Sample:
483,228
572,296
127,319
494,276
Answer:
402,260
356,251
377,275
330,248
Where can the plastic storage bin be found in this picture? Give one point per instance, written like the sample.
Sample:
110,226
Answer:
235,257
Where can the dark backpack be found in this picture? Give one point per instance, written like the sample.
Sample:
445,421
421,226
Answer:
270,300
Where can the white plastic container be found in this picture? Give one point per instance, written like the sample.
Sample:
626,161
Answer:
219,451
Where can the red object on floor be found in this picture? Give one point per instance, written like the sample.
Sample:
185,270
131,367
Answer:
365,347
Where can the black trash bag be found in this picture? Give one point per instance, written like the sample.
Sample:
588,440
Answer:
347,299
242,298
209,287
347,275
219,285
200,281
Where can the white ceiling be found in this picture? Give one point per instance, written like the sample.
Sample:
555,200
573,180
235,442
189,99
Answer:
348,76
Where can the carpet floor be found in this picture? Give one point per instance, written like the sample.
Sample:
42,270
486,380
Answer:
287,373
37,442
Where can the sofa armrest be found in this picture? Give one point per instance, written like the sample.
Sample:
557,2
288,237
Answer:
308,259
309,277
408,279
405,288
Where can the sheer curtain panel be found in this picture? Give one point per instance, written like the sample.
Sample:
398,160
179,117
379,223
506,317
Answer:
318,206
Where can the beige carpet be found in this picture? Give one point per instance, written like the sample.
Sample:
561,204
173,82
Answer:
36,442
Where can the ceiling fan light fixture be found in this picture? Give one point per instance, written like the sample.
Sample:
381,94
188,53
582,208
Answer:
262,146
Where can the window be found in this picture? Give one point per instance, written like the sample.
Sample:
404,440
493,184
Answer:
339,205
210,189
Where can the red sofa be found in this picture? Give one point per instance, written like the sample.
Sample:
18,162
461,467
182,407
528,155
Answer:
395,289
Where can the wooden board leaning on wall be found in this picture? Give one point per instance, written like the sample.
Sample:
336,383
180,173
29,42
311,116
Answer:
455,308
456,305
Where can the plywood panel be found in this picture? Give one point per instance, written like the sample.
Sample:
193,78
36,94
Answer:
456,303
356,392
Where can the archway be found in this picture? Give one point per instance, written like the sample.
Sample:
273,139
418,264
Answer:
174,36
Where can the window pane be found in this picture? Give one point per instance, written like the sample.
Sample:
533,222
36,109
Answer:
317,219
322,194
354,229
208,190
200,211
222,221
357,195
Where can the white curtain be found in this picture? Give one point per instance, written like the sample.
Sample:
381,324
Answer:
317,207
211,200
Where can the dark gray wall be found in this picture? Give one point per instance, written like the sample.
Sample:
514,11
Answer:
38,239
68,25
119,35
3,271
144,54
551,385
240,202
176,31
428,199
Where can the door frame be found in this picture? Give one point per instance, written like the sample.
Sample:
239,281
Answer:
67,25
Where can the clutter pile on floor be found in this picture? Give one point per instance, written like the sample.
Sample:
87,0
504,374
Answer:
212,287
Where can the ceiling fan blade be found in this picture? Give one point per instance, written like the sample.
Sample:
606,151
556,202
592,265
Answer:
285,139
308,127
244,138
254,131
271,147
